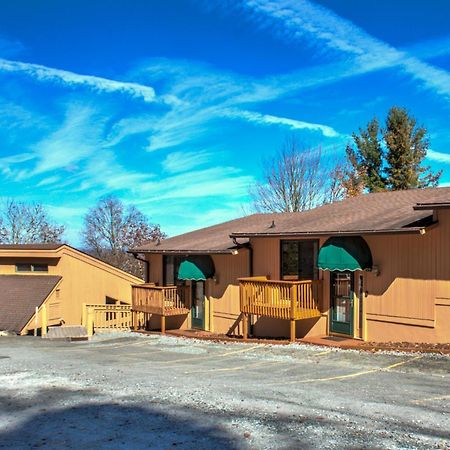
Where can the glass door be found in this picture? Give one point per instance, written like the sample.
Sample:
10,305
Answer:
198,304
342,303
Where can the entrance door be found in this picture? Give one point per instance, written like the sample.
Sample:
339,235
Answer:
342,303
198,304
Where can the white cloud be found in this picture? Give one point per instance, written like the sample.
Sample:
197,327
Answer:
440,157
49,181
176,162
211,182
267,119
301,18
75,140
71,79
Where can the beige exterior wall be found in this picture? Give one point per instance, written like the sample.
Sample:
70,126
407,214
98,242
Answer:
84,280
266,262
222,313
410,298
224,291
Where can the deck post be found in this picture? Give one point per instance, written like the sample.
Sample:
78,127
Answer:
44,320
245,327
163,324
36,312
90,322
292,338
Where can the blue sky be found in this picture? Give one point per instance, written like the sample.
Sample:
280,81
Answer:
172,105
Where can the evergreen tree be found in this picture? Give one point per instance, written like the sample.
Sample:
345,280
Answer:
367,158
407,146
370,169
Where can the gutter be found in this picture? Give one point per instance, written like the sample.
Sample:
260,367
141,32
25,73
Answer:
428,206
410,230
146,266
185,252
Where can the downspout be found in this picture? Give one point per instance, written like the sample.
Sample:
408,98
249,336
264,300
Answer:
146,267
249,247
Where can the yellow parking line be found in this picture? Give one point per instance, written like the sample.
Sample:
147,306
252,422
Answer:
402,362
106,347
232,369
350,375
322,353
209,356
423,400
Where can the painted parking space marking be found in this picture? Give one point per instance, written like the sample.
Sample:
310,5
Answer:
206,357
323,353
232,369
95,346
350,375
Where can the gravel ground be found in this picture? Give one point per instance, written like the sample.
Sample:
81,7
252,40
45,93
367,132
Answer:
132,391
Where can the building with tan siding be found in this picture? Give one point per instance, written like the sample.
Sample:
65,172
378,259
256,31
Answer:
56,278
374,267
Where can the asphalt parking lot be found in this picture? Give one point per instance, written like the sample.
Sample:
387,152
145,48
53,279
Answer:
133,391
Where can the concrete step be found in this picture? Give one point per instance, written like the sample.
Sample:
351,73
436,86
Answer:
67,332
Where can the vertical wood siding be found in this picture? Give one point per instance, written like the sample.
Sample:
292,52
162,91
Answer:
414,273
225,292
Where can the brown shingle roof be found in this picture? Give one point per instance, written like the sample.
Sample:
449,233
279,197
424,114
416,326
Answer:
30,246
19,296
370,213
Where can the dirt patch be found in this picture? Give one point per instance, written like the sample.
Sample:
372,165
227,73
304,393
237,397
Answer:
407,347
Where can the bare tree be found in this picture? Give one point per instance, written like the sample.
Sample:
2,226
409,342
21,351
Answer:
111,229
295,180
23,223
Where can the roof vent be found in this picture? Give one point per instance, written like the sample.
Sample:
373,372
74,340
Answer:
272,225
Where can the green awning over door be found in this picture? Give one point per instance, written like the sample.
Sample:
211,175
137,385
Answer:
197,267
345,253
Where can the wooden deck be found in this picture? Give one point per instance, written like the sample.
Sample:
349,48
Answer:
288,300
160,300
164,301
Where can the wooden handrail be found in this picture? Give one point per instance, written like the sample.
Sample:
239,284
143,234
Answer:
106,317
161,300
278,282
280,299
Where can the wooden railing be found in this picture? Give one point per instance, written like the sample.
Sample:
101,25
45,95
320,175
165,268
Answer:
106,317
292,300
161,300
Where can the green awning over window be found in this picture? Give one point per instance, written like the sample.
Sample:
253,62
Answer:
197,267
345,253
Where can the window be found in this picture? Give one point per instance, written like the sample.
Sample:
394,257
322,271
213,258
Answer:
23,267
28,267
171,265
299,260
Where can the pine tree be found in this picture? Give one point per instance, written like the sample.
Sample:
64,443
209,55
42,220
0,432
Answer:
407,145
365,161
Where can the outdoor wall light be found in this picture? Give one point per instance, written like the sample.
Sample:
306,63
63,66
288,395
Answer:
376,271
234,252
422,231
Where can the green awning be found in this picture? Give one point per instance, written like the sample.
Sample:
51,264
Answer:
345,253
197,267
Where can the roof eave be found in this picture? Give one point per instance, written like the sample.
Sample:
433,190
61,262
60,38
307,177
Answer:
411,230
430,206
182,252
